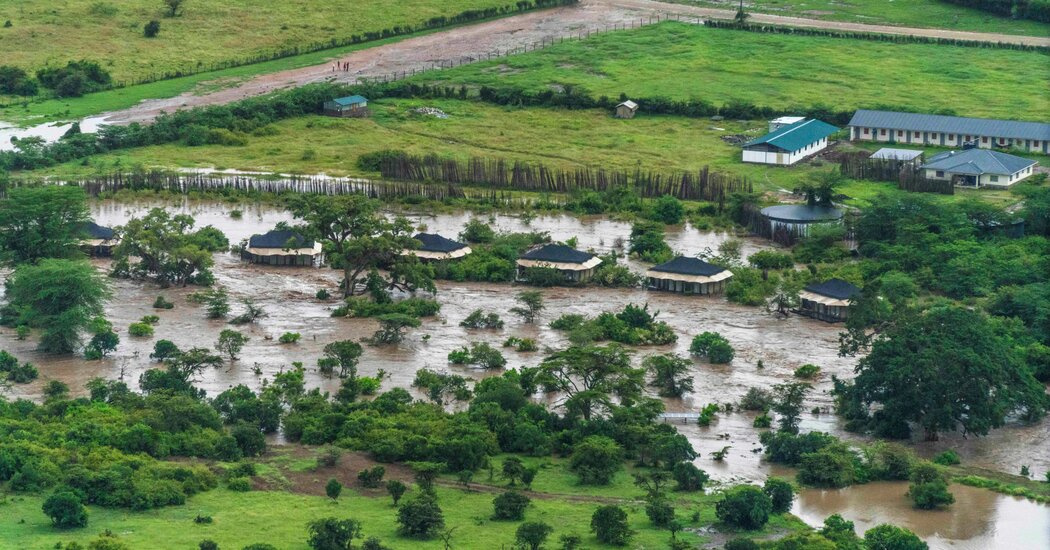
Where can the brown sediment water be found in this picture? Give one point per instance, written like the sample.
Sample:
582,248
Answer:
978,520
287,295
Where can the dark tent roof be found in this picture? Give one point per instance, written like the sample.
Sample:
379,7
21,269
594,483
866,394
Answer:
834,288
433,242
279,239
685,265
557,253
802,213
96,231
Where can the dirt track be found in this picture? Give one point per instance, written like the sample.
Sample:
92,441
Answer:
477,41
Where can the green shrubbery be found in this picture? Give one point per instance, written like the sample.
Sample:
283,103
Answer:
364,307
713,346
633,325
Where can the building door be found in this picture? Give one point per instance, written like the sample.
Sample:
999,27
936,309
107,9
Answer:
780,158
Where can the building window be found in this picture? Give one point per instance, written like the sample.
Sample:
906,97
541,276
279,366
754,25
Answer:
1035,143
940,173
883,131
984,139
866,131
951,136
995,179
900,133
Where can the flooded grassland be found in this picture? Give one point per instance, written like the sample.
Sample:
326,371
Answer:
979,519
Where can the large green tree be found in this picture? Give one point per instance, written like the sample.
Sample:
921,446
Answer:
948,368
590,376
168,249
41,222
360,240
60,297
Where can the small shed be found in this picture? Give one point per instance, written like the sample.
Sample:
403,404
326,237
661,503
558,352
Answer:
99,240
627,109
828,301
689,276
907,156
281,247
574,265
349,106
435,248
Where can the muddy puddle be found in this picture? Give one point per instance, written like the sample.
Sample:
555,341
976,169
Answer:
287,295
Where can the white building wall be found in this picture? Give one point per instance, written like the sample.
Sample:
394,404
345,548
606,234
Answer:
859,133
784,158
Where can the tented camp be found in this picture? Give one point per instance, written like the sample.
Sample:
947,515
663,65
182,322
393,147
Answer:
689,276
281,247
575,265
99,240
827,301
435,248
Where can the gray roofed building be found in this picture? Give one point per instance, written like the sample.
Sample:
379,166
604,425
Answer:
949,131
978,167
889,153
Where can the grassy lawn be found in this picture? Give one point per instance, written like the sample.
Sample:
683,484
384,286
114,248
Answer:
906,13
206,31
681,61
555,137
280,518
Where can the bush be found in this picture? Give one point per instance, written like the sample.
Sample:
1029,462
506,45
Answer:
208,544
141,330
609,525
780,493
161,303
420,517
332,533
713,346
481,320
745,507
741,543
240,484
807,371
65,509
660,511
930,495
510,505
689,477
396,489
756,399
770,259
667,209
371,477
164,349
289,338
531,535
947,458
833,466
15,81
596,460
521,344
151,29
333,489
203,520
477,232
891,537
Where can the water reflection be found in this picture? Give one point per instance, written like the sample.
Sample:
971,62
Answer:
49,131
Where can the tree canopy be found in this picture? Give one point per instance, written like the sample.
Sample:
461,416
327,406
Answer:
41,222
60,297
167,249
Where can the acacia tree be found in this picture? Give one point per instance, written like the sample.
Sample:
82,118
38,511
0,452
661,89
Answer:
343,354
590,376
60,297
948,368
531,304
41,222
166,248
787,402
359,240
669,373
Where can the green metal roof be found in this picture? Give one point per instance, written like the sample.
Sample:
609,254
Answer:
796,136
350,100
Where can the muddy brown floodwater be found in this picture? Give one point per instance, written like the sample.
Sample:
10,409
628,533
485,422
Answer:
287,295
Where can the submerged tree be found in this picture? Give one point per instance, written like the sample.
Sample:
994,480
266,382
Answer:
360,240
41,222
590,376
167,249
60,297
948,368
670,374
531,303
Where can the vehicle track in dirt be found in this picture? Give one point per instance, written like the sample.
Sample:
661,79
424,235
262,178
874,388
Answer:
479,41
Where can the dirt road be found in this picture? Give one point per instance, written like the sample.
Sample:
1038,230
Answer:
473,42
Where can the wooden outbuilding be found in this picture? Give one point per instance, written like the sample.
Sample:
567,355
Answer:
828,301
574,265
350,106
435,248
689,276
627,109
281,247
99,240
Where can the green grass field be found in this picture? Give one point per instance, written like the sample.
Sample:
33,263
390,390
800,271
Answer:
555,137
681,61
280,517
205,32
906,13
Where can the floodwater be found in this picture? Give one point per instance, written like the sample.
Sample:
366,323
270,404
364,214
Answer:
978,520
49,131
287,295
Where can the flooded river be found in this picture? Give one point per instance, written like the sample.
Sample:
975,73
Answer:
287,295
